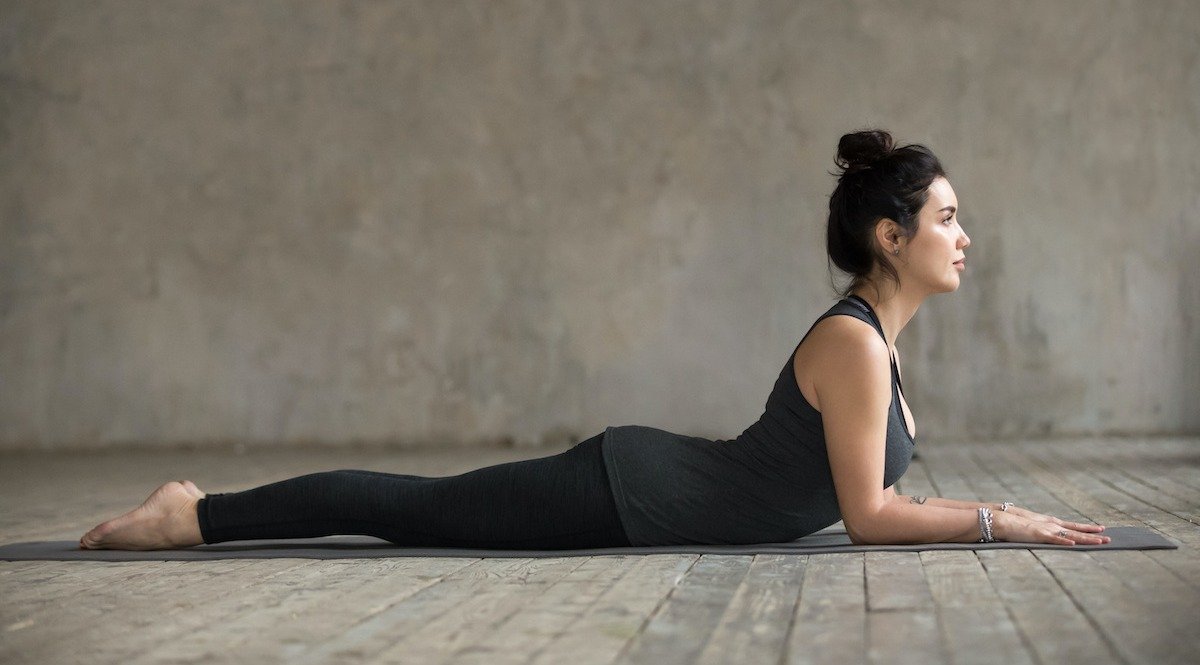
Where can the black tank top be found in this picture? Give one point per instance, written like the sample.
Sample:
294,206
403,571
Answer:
770,484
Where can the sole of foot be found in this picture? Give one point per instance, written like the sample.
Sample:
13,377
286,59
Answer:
165,520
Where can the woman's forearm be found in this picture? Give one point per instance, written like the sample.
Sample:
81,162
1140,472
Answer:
904,523
946,503
911,520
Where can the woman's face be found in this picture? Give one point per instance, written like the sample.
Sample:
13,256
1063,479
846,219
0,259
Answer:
933,257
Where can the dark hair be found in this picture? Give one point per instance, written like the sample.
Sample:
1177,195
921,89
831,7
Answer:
877,181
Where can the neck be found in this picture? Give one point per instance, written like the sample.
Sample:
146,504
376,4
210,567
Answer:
894,307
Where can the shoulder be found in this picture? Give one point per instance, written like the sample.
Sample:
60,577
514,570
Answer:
841,356
842,340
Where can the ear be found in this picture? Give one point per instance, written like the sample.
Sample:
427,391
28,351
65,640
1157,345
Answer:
889,235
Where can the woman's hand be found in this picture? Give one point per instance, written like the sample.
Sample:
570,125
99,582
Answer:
1030,515
1025,526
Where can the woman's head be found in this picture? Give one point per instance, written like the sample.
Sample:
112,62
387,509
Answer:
878,204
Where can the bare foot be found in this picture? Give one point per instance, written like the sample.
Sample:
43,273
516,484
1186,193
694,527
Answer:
192,489
166,520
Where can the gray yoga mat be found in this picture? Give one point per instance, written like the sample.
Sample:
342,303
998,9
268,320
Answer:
366,547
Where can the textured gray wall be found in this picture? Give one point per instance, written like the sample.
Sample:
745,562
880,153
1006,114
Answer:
457,222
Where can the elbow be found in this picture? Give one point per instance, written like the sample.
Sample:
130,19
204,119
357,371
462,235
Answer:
864,529
857,536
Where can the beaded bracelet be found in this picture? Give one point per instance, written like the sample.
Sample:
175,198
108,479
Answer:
985,525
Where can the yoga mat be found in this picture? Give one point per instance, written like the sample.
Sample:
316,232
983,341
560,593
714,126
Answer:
366,547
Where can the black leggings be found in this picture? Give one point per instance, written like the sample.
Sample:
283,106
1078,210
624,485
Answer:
558,502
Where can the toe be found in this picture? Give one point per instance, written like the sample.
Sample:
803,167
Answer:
86,542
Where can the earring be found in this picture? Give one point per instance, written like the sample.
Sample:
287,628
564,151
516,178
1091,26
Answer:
896,250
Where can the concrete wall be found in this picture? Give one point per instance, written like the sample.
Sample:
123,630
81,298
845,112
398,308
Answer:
463,222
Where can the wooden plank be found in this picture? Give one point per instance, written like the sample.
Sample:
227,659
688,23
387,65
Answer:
975,622
979,483
681,628
1020,473
1062,484
1156,585
949,582
830,620
1019,616
1133,628
297,608
42,599
1118,479
755,624
896,581
61,578
904,637
1179,459
1050,622
1063,475
545,616
1150,494
96,622
1145,467
57,527
617,616
1023,490
1117,507
916,481
155,622
490,605
1066,479
900,610
23,568
1184,563
1130,627
380,636
949,485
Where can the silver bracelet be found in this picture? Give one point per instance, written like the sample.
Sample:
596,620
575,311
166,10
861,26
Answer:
1006,505
985,525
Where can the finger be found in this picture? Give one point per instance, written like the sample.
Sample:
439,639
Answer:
1084,538
1078,526
1059,537
1096,539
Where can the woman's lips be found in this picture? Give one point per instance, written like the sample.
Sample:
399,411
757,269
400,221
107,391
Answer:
961,263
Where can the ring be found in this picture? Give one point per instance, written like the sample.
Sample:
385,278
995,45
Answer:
1062,533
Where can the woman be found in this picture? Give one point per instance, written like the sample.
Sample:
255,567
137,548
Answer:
835,436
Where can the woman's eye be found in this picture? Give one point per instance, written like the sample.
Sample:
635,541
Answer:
947,220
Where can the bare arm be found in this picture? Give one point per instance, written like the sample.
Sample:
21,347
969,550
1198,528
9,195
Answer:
852,378
1017,523
944,503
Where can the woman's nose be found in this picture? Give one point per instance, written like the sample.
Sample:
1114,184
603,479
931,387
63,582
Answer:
964,240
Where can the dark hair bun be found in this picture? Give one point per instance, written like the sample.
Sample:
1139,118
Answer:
861,150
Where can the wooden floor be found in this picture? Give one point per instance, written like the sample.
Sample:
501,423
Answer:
998,606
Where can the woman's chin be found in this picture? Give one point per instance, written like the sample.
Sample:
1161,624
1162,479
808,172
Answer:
951,286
